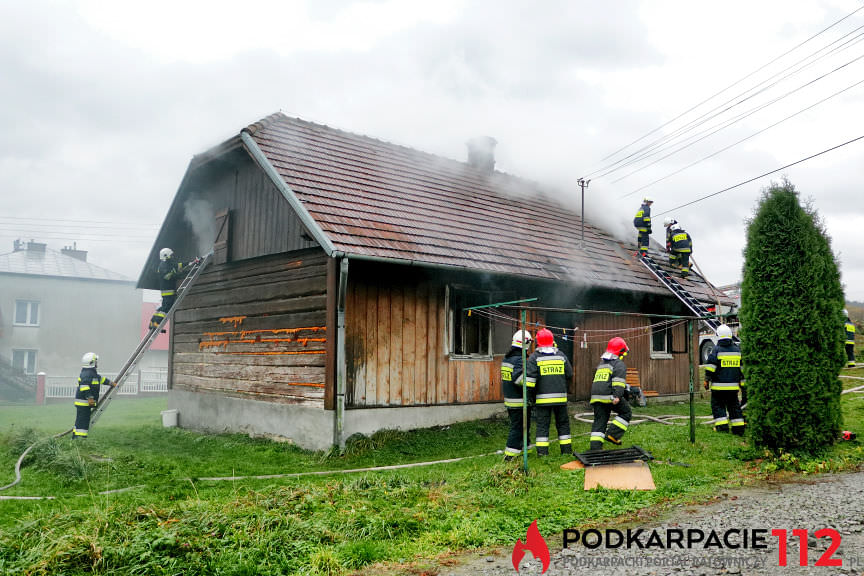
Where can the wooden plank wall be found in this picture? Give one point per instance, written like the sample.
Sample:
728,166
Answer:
396,349
666,376
255,329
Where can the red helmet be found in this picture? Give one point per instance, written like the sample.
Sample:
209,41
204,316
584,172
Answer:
545,338
616,346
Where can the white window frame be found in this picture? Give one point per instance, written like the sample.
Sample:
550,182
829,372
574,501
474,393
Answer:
28,353
666,353
28,314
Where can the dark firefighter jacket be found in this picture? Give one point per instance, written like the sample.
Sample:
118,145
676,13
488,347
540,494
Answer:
850,332
549,371
169,272
724,366
681,241
511,378
642,221
88,386
610,380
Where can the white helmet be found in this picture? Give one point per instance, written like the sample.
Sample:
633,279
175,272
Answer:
521,336
166,254
647,199
669,221
89,360
845,312
724,331
675,226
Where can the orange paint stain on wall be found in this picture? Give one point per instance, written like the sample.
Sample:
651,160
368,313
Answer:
224,339
236,320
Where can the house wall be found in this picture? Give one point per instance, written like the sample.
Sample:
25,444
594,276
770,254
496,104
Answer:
76,316
255,329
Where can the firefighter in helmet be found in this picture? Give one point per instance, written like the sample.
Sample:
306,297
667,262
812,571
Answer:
87,394
642,222
679,244
850,341
724,377
511,388
549,371
609,393
169,273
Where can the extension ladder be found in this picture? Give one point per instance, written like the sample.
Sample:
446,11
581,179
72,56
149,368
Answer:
195,270
688,299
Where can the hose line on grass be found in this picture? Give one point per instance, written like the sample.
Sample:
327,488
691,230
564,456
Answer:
24,455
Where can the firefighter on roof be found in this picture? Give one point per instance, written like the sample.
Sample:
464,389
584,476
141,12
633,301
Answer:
609,393
642,222
679,244
87,394
850,341
549,372
511,388
724,376
169,273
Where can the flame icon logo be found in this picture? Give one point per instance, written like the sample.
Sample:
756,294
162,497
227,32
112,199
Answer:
535,544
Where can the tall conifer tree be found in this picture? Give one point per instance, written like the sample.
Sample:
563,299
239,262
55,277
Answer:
791,326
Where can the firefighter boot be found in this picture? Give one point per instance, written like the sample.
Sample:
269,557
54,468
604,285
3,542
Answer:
566,446
596,445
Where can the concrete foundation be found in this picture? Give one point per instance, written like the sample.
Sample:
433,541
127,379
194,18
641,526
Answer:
310,428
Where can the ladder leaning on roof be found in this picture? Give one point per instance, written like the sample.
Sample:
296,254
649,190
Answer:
688,299
194,271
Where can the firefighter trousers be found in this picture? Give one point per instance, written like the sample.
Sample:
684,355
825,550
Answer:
615,429
162,311
643,240
543,414
514,437
850,355
682,260
82,421
727,411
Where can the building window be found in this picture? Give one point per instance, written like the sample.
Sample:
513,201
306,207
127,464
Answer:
24,360
470,335
26,313
661,339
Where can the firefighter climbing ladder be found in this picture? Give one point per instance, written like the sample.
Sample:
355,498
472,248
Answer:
692,303
195,270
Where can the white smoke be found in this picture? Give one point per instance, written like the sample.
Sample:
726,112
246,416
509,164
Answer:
200,215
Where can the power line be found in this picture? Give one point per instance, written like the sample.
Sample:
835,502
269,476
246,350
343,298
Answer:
731,86
762,175
48,221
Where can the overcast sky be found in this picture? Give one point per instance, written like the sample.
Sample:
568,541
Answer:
105,102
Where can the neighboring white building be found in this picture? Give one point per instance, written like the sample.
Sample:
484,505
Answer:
55,306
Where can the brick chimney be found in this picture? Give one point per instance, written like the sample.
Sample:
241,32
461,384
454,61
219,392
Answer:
74,252
481,153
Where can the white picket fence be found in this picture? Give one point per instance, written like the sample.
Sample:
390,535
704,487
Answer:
146,381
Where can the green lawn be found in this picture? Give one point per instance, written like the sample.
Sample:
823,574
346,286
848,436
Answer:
174,522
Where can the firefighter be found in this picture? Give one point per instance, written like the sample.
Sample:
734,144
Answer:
724,377
169,272
642,222
850,340
680,245
549,371
511,388
87,394
609,393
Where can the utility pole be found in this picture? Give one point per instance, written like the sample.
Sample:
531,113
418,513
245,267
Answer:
583,184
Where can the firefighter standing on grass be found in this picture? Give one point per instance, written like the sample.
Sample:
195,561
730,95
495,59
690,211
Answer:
169,272
724,377
511,388
642,222
87,394
609,394
549,371
850,341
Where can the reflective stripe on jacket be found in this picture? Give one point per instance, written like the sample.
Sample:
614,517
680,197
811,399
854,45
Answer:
88,386
642,220
550,372
610,381
681,241
511,379
850,332
724,366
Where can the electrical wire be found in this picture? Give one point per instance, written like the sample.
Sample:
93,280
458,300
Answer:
679,116
761,176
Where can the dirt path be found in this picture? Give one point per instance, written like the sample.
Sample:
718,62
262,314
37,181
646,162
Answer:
829,501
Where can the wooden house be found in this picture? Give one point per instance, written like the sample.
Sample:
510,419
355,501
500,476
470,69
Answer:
343,265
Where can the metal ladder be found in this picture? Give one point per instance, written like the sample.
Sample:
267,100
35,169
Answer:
195,270
691,302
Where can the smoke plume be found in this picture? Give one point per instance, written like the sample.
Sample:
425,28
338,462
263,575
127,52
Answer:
200,215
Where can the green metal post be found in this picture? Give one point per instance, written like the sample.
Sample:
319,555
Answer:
692,393
524,400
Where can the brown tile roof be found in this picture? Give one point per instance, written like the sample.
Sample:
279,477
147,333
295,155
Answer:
379,199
